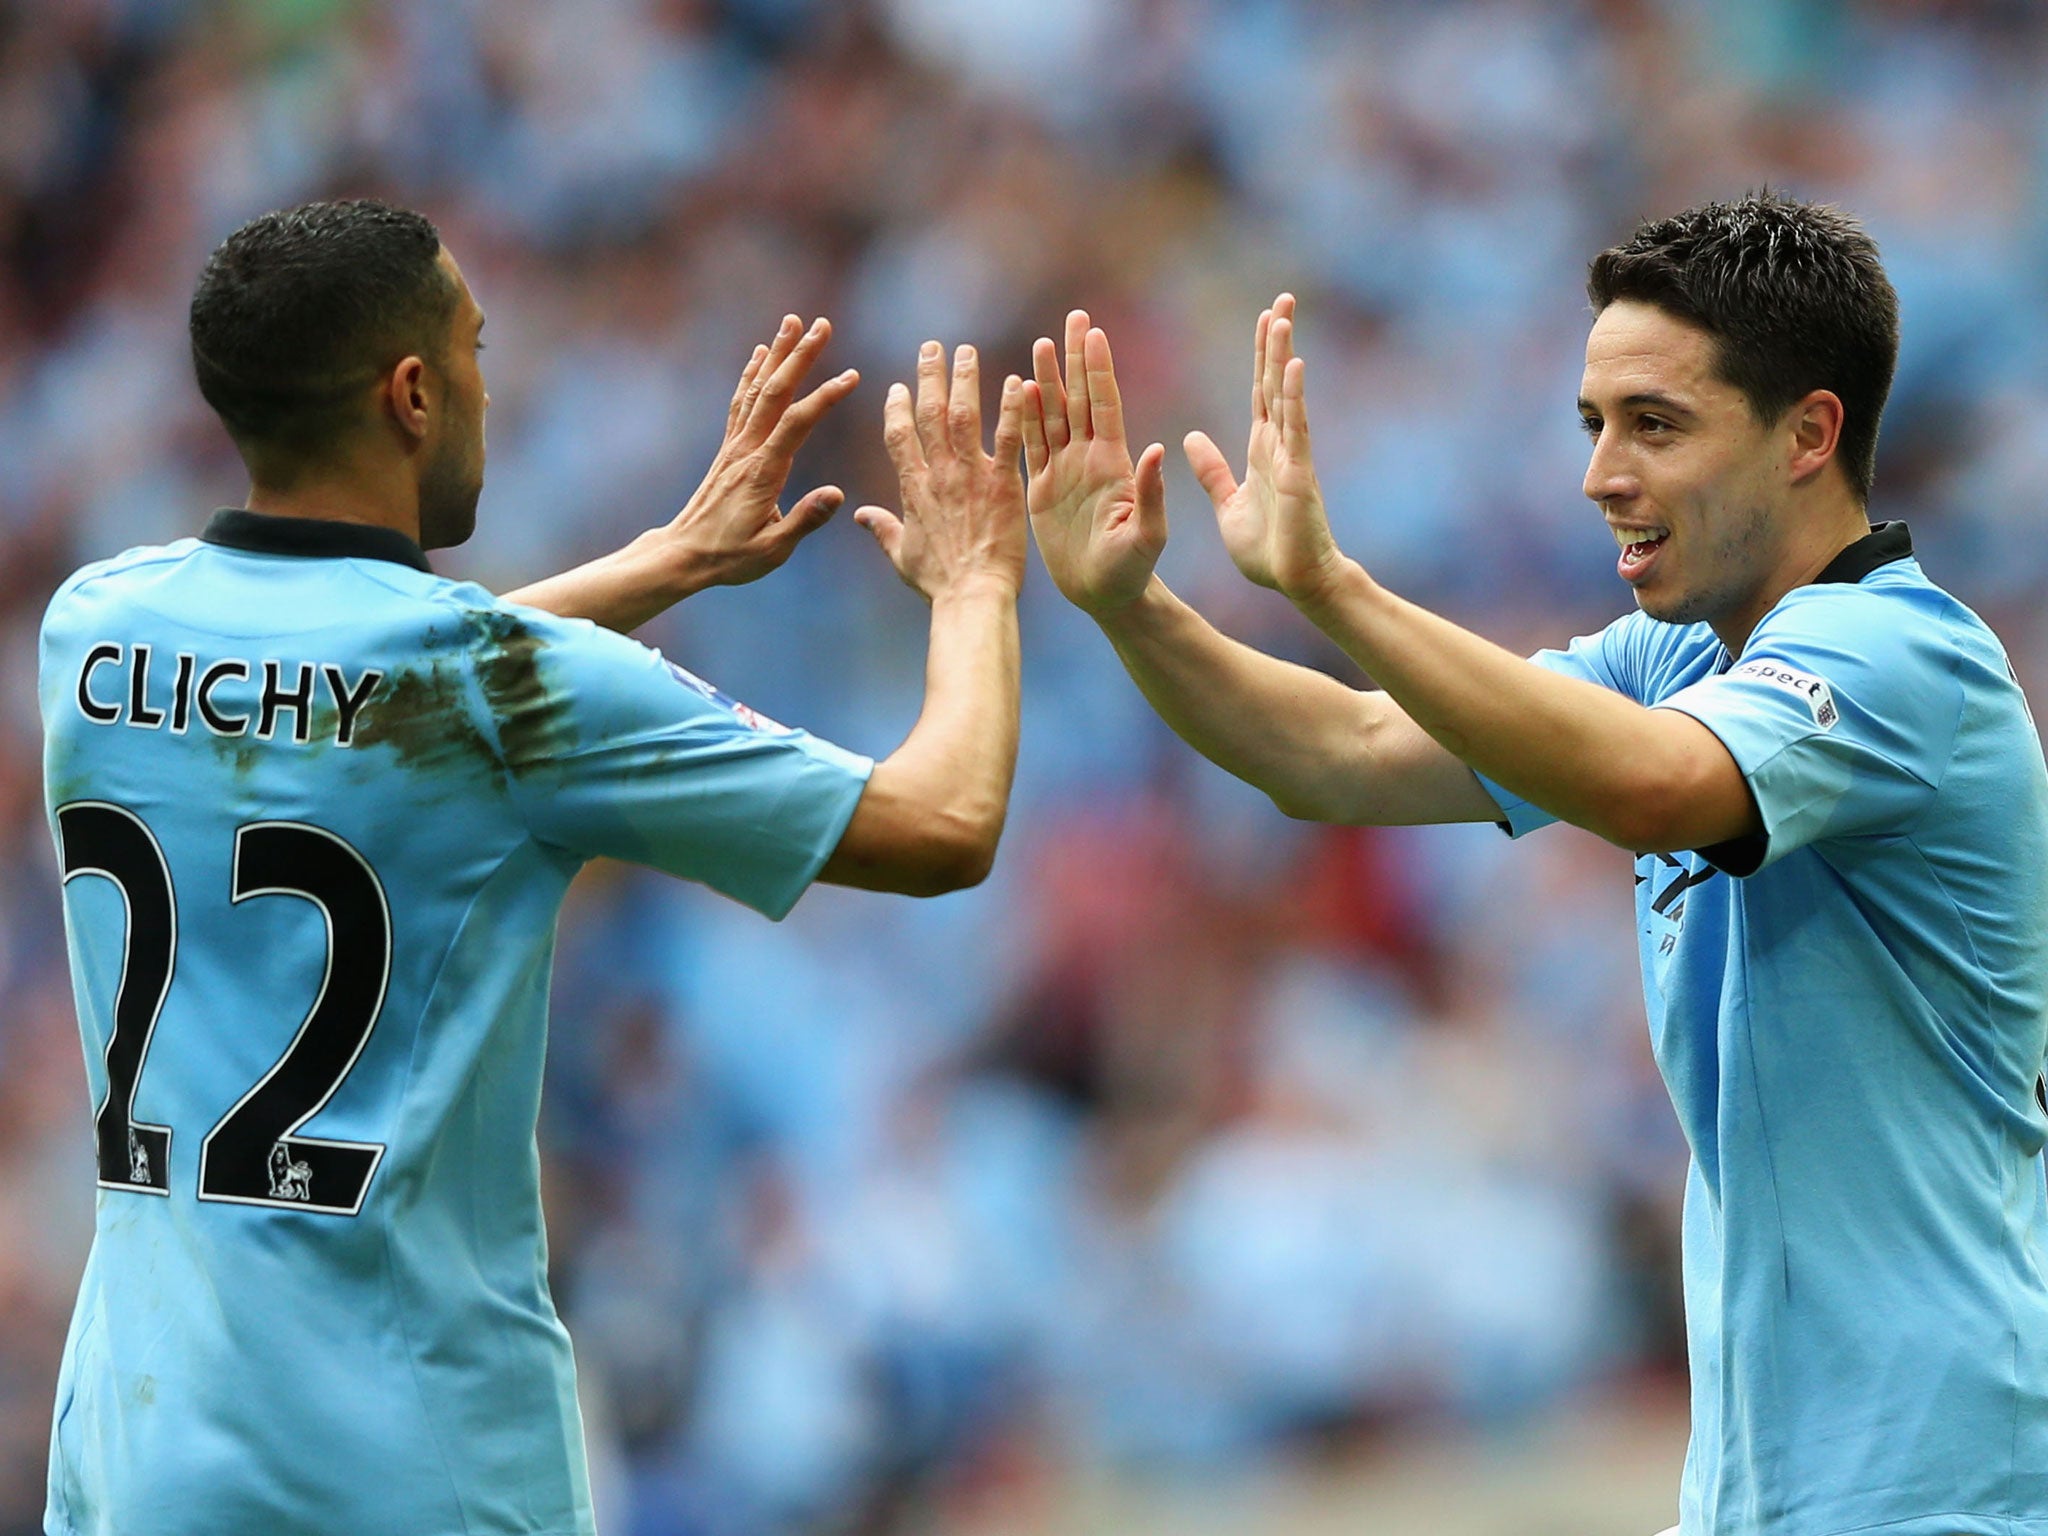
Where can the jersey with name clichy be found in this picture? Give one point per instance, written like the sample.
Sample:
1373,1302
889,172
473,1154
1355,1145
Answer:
1851,1012
316,810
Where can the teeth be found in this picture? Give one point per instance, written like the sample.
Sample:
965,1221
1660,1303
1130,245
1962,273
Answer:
1629,536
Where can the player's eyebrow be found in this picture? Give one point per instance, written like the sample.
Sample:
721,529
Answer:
1643,399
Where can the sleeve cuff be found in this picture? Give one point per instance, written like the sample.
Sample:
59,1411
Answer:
1517,816
856,771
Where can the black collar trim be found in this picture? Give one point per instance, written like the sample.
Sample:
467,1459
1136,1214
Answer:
317,538
1884,543
1881,546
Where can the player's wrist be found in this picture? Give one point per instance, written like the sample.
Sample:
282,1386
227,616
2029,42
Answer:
1134,613
980,586
1332,584
667,566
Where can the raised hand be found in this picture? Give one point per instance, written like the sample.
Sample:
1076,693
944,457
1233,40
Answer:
962,523
1100,520
731,530
1274,523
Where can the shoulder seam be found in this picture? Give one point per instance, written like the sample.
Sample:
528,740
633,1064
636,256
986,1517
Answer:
115,565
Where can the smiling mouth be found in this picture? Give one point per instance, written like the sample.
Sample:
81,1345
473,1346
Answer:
1639,544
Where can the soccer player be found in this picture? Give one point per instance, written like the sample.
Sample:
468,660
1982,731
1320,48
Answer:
1836,799
316,809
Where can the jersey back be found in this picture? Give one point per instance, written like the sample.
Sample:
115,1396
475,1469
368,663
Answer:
316,812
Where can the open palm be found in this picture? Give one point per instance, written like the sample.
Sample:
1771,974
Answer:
1099,519
1273,523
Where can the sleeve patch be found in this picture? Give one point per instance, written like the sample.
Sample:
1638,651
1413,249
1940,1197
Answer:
751,718
1819,697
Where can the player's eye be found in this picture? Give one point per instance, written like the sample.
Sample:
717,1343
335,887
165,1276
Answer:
1653,425
1590,425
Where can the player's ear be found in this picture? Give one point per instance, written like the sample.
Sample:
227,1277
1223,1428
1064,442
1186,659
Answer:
406,396
1815,423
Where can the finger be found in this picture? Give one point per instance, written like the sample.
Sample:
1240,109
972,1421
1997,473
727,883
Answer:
1211,469
785,338
799,419
1283,309
931,398
1151,494
1279,348
1294,411
1052,396
963,409
1259,365
780,378
810,514
747,376
885,525
1009,424
1077,374
1105,403
1033,419
899,433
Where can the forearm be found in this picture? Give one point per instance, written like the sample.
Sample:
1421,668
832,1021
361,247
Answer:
962,753
1645,779
622,590
933,812
1322,751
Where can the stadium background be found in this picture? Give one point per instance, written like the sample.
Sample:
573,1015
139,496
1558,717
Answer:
1202,1171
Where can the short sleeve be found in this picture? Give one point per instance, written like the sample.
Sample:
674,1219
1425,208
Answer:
1841,713
1590,658
613,751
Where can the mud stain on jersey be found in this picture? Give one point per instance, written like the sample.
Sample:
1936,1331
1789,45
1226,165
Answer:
422,714
533,726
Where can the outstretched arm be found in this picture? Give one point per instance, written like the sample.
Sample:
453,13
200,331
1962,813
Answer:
731,529
1651,780
1321,750
933,810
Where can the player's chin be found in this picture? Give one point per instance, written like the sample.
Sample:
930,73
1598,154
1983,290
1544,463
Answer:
1665,601
449,521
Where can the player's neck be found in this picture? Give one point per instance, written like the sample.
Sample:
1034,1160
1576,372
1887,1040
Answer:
342,496
1816,534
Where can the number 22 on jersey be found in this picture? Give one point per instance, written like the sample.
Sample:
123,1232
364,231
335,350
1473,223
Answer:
252,1156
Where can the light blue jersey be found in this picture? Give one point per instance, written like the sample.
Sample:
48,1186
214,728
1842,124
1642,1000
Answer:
1851,1013
316,810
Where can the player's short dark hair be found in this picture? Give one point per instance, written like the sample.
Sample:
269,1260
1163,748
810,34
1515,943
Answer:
1793,294
301,308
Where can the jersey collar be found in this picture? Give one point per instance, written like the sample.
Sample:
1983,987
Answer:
312,537
1884,543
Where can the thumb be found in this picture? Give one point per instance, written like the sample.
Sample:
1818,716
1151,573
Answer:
810,514
1210,467
885,525
1151,493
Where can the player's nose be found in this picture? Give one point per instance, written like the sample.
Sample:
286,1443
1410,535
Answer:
1608,477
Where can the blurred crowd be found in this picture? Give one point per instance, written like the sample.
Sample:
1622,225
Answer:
1196,1136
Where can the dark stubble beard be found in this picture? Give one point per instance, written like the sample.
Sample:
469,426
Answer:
1732,562
449,489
